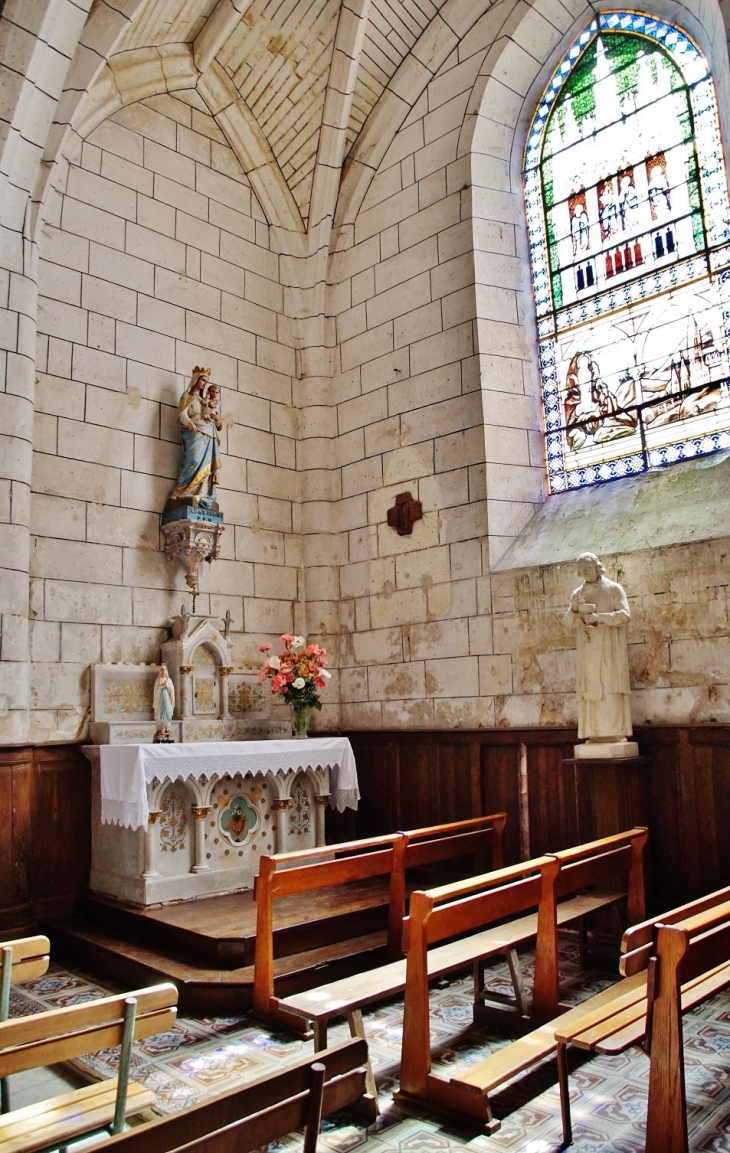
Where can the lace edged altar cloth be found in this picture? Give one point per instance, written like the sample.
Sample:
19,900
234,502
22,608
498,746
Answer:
127,770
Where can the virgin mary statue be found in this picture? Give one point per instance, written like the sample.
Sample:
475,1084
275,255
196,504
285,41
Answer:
199,419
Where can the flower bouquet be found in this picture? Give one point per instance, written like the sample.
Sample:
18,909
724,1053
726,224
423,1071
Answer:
296,673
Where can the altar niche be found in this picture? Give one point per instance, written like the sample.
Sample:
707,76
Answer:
198,657
206,833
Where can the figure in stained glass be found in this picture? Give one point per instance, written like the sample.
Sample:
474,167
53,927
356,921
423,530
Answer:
627,198
629,224
579,223
660,200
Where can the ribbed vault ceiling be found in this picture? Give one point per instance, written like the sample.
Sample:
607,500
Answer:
279,56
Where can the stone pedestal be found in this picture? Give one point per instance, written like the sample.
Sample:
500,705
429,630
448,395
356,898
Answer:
606,751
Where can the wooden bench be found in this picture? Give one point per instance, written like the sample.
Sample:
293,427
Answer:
263,1110
287,874
64,1034
608,1023
587,878
22,960
670,964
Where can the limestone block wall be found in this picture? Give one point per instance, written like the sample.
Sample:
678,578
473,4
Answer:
155,256
438,390
412,368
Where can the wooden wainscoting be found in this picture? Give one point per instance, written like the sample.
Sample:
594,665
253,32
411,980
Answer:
407,780
45,806
413,779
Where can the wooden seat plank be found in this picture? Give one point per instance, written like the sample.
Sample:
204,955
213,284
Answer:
68,1116
494,1070
698,990
337,997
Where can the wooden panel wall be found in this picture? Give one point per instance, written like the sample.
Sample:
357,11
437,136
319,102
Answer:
45,805
407,780
16,790
412,779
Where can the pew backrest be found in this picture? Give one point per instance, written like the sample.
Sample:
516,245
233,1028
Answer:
304,871
638,942
419,848
64,1034
612,865
22,960
287,874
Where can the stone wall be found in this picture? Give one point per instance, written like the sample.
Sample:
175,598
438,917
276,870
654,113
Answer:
392,351
155,256
438,381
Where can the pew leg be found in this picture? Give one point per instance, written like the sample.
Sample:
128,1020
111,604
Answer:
320,1035
4,1095
517,984
564,1093
357,1029
582,942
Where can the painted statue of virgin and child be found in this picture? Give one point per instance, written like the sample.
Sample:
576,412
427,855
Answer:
199,418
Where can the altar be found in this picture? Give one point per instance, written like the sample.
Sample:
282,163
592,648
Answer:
172,822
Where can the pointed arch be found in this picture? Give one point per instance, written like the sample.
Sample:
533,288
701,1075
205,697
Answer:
629,231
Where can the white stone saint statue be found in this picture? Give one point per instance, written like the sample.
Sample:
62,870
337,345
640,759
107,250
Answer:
163,698
599,615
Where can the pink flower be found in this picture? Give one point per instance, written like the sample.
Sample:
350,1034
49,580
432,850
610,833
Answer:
286,638
264,648
263,674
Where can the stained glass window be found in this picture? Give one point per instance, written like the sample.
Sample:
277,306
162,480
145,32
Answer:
629,227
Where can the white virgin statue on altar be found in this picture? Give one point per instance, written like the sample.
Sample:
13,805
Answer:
599,615
163,698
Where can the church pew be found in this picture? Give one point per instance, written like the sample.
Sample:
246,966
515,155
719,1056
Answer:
63,1034
566,886
680,958
308,870
22,960
611,1021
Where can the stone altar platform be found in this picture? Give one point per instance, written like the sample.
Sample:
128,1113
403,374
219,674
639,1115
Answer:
174,822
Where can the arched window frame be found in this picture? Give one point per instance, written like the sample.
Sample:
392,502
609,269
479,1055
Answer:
713,261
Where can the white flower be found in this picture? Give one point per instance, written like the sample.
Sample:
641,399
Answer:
298,683
274,662
299,641
327,676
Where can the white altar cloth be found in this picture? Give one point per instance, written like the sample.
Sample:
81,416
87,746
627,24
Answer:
126,770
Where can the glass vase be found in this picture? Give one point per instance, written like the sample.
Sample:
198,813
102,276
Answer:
299,721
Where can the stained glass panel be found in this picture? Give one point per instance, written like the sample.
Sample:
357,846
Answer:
628,217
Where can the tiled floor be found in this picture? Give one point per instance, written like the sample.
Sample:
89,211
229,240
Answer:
200,1057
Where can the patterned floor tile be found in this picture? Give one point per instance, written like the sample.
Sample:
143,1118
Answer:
207,1055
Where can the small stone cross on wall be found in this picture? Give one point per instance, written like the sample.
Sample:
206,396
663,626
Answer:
404,513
